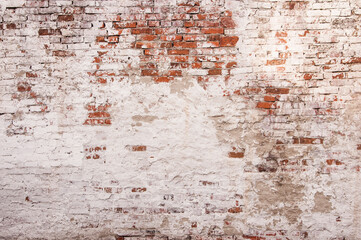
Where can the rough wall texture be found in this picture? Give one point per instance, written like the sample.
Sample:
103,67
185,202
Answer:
208,119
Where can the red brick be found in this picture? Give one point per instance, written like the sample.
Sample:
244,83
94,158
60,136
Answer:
251,237
189,24
175,73
148,37
163,79
229,41
334,162
235,210
180,58
165,31
98,115
339,76
142,31
201,16
281,34
113,39
308,76
43,32
154,16
266,105
120,25
190,4
31,75
11,26
62,53
354,60
94,122
153,23
231,64
197,65
139,189
188,9
180,65
276,62
100,39
178,52
155,52
303,140
139,148
65,18
149,72
24,87
227,22
215,72
166,45
218,64
185,44
269,99
236,154
277,90
171,38
179,16
194,37
212,30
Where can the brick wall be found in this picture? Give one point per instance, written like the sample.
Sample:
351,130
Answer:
180,119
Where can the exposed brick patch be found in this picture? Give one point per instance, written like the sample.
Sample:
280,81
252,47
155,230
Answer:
24,87
277,90
139,189
11,26
139,148
266,105
190,32
95,152
236,154
235,210
98,115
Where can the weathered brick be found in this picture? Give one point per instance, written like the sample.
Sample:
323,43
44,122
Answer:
228,22
149,72
142,31
304,140
265,105
236,154
277,90
212,30
65,18
43,32
228,41
139,148
185,44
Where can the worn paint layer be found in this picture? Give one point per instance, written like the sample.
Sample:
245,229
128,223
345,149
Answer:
180,119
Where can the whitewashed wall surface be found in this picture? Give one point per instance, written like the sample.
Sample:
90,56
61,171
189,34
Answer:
180,119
